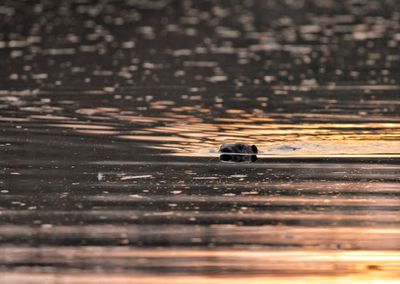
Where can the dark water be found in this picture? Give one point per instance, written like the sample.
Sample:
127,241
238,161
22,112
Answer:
112,113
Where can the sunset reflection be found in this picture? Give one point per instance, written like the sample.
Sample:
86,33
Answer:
239,266
307,139
199,141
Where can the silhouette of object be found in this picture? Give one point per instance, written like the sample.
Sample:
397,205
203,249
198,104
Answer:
238,153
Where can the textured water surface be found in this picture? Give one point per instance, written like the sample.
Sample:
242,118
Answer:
112,114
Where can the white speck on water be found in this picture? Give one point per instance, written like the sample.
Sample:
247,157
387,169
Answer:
238,176
47,226
14,76
100,176
137,196
16,53
128,44
166,213
109,89
182,52
61,51
249,192
135,177
218,78
149,65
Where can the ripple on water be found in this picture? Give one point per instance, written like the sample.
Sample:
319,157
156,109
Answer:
112,114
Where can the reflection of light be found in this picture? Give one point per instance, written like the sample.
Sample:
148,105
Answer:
339,139
313,140
339,88
234,129
233,266
83,126
196,131
156,138
102,132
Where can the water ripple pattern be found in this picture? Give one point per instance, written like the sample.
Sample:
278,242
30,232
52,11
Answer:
112,114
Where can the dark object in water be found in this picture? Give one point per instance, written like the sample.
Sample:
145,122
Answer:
238,153
235,158
238,149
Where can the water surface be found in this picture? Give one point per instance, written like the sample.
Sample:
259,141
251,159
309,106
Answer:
111,116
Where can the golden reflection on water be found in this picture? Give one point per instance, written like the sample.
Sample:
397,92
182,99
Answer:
308,139
86,198
347,128
191,130
356,246
350,267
